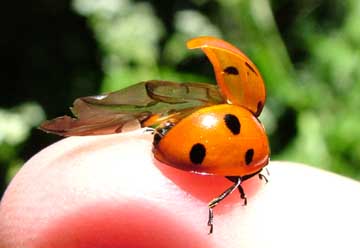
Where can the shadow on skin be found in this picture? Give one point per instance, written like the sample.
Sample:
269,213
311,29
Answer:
126,224
207,187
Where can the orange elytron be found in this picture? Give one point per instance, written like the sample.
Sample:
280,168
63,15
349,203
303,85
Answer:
198,127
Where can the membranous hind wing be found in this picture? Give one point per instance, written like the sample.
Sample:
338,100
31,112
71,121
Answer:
148,103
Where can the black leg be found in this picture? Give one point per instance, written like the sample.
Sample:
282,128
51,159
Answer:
241,190
218,199
242,194
263,177
210,221
149,130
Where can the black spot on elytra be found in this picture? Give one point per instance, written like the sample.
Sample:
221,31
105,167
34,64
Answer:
249,156
250,67
231,70
233,123
197,153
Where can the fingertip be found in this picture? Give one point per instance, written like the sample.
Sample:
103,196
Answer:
91,190
132,223
100,192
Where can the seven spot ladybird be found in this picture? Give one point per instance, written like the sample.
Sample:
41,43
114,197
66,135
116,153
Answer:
223,135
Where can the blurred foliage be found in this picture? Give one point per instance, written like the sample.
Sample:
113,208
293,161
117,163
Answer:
15,125
307,52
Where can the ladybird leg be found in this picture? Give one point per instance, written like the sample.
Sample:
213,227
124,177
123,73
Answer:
242,194
217,200
261,176
149,130
211,219
240,188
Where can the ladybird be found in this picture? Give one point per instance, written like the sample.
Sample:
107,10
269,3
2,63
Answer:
197,127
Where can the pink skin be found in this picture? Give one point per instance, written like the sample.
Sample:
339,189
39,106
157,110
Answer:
108,191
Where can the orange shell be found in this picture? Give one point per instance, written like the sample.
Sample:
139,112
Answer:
237,76
204,143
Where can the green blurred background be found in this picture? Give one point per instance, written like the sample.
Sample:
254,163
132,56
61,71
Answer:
308,52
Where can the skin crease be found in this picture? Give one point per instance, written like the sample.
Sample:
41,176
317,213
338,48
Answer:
108,191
